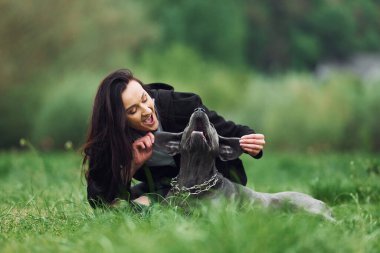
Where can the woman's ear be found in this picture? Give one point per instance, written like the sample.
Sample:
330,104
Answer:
229,148
168,142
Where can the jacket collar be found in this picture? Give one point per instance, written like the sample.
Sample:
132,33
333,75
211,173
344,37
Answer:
159,86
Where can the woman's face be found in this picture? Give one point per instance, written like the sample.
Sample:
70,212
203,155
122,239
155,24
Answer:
139,108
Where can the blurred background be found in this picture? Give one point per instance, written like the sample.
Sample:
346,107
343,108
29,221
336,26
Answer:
304,73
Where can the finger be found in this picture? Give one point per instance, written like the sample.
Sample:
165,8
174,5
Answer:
140,145
146,140
252,141
251,151
148,150
151,136
253,136
252,146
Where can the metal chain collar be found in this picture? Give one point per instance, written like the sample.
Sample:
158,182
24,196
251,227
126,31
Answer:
195,189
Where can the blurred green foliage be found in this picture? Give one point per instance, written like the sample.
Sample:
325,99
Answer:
301,112
53,55
271,35
65,112
299,34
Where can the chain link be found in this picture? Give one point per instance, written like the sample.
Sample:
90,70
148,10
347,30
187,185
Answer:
205,186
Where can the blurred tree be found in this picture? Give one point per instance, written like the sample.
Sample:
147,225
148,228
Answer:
335,26
43,39
216,28
299,34
86,34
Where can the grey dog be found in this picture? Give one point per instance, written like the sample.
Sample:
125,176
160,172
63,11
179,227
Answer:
199,144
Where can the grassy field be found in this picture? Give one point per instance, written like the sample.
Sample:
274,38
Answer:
43,208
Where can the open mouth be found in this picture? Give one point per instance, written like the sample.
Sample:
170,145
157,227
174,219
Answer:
200,130
149,120
198,134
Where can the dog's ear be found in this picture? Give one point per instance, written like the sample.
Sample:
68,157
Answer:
168,142
229,148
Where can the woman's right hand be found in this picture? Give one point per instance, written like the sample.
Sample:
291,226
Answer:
142,150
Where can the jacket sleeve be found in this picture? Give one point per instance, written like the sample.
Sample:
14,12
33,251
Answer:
229,128
185,103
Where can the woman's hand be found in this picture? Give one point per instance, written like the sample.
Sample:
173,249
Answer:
252,143
142,149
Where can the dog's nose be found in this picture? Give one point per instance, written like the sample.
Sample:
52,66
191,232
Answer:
199,109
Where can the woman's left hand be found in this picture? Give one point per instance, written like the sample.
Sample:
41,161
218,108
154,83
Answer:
252,143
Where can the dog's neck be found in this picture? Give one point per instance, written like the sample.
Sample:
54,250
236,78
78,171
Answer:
195,169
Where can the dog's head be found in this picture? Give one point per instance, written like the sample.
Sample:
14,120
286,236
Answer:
199,137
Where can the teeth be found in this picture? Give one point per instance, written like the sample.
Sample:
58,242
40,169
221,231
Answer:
149,120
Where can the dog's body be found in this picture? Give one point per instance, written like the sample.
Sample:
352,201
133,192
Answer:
199,145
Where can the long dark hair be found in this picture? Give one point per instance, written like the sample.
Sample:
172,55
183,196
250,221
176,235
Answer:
108,148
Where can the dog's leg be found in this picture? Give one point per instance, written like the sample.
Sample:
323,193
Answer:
294,199
305,202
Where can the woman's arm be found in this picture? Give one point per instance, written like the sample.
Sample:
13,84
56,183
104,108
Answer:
177,107
251,142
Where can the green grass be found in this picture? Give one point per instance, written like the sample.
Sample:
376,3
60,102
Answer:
43,208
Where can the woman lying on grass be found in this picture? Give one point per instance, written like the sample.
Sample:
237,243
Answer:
120,142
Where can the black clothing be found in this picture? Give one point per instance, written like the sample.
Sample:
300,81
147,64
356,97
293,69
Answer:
175,109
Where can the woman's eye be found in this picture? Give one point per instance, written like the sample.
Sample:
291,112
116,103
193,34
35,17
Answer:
145,98
132,112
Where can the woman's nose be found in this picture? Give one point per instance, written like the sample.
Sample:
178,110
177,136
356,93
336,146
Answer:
146,110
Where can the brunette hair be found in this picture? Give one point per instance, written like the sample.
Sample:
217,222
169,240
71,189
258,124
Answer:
108,148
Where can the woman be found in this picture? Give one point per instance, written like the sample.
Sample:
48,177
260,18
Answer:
120,142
